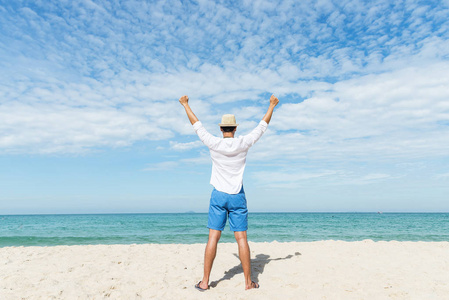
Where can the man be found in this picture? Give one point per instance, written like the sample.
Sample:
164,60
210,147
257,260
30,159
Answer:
228,197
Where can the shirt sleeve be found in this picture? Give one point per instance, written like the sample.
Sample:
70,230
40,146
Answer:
208,139
251,138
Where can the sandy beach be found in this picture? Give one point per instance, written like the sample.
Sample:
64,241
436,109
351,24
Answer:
309,270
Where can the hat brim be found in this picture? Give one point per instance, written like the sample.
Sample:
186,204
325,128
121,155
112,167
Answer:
228,125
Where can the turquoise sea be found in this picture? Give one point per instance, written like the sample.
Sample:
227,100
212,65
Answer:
188,228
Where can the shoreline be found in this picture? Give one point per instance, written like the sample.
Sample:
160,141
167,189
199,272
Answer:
228,243
329,269
222,243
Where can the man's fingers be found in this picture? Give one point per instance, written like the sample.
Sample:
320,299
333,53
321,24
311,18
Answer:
274,100
184,99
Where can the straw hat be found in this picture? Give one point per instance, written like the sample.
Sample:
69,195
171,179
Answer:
228,121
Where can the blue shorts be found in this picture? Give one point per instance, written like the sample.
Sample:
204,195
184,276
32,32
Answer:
223,205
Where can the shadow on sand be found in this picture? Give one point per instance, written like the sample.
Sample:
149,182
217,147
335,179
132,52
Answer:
257,267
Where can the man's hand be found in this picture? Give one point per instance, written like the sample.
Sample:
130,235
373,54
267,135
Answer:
184,100
274,101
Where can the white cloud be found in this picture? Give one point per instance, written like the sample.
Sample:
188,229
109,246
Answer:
292,177
59,128
386,111
162,166
78,77
443,176
385,115
266,177
185,146
374,176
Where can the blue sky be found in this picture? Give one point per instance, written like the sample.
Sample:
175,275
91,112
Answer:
90,120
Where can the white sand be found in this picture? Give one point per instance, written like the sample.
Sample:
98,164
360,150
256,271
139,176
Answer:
315,270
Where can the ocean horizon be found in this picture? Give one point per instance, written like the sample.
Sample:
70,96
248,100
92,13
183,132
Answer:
190,227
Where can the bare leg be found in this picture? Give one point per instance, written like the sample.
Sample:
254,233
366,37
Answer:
209,256
245,258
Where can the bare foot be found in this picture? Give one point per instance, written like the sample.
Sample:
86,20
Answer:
253,285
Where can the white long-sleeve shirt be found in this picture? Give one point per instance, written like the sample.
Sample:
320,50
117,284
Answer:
228,156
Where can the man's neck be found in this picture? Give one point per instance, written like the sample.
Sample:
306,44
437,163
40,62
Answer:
227,135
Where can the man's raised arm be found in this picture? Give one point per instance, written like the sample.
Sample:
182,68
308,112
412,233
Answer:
273,102
184,100
251,138
208,139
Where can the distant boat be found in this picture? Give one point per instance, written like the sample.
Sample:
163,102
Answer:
379,212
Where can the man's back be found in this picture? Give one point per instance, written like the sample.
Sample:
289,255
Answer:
229,156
